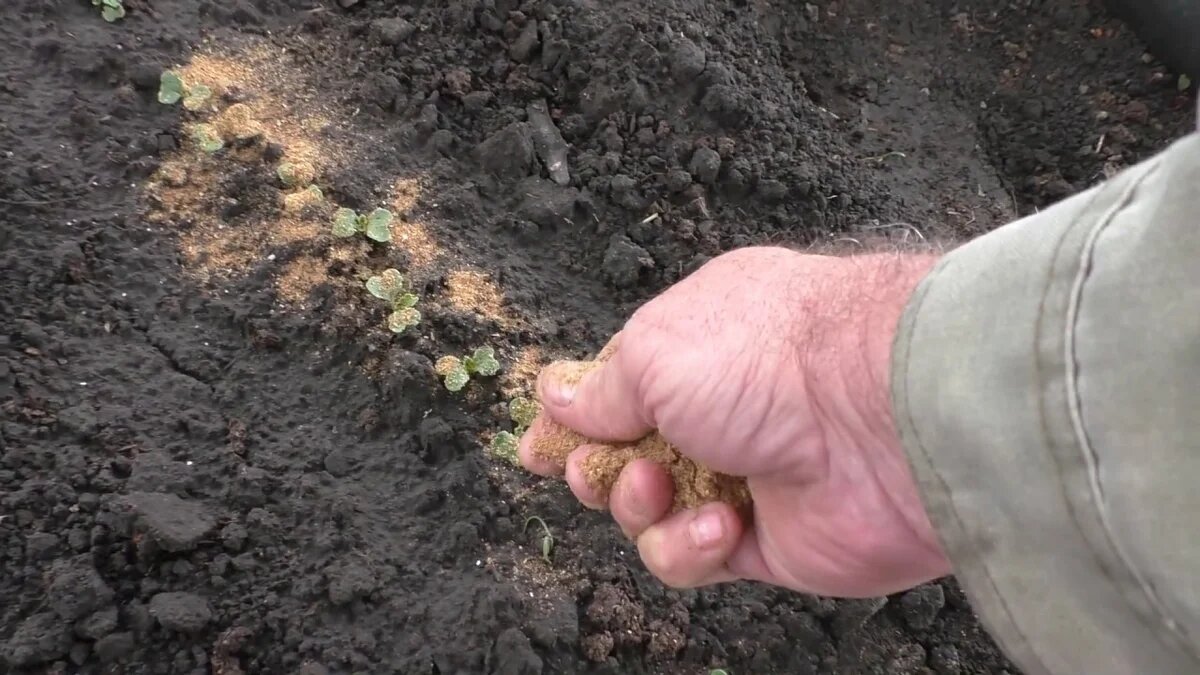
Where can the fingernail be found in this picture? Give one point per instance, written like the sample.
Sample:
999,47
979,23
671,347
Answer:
706,529
560,385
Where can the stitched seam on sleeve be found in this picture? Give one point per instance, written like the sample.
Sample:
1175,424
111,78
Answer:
910,423
1074,402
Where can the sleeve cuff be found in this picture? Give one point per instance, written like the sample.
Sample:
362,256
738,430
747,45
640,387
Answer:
986,408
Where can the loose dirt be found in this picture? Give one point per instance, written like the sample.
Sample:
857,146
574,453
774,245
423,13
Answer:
214,458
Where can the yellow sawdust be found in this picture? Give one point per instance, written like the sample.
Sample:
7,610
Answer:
298,279
520,377
238,122
276,100
412,235
415,239
187,189
296,203
406,192
352,252
222,75
473,291
272,101
290,230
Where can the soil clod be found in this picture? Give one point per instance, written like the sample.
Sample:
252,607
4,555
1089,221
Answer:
174,524
76,589
921,605
548,143
98,624
180,612
509,152
40,638
114,647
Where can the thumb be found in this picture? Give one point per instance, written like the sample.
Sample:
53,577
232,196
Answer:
597,399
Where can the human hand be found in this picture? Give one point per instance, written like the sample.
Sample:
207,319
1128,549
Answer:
773,365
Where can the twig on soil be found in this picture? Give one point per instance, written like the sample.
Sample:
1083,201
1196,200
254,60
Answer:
952,212
907,226
886,156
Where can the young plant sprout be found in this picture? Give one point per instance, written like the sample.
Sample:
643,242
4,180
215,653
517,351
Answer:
377,225
172,89
547,538
110,10
390,287
238,123
504,446
206,136
457,372
522,411
295,202
295,174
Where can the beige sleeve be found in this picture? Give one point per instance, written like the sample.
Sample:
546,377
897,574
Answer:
1046,382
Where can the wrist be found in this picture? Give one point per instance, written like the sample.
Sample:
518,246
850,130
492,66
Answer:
899,278
875,292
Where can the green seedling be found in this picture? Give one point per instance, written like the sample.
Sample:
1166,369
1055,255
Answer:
377,225
206,136
522,411
172,89
298,201
110,10
1184,82
504,446
457,372
547,538
718,671
295,174
391,287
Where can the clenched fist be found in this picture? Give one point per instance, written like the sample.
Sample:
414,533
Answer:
773,365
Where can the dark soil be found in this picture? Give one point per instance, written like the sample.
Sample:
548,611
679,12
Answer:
213,458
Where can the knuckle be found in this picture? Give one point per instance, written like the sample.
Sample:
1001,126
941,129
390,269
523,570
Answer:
670,569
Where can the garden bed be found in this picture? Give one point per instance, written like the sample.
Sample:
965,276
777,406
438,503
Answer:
216,457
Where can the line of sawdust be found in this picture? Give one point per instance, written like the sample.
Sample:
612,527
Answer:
273,103
474,291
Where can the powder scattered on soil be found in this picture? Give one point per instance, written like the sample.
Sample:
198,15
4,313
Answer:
299,278
405,194
473,291
521,375
416,240
281,106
